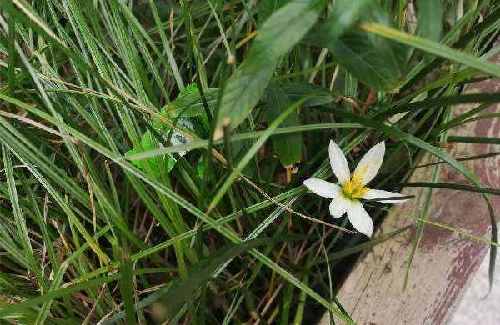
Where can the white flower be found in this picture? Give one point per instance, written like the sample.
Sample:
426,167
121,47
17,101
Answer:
350,189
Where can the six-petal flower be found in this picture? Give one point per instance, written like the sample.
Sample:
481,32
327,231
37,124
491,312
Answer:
350,189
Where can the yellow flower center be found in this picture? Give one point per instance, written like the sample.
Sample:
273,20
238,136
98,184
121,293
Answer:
354,188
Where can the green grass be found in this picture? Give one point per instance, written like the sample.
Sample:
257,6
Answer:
153,151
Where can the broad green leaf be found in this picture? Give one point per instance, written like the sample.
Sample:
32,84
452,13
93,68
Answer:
153,166
274,39
430,19
288,147
188,104
345,15
374,61
268,7
314,95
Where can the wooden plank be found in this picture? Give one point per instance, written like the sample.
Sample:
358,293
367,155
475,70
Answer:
445,261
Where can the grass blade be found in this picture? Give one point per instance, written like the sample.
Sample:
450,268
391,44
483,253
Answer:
433,48
126,284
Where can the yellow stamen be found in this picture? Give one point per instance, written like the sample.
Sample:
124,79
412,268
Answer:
354,188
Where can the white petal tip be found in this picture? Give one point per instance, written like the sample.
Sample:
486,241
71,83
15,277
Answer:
359,218
321,187
380,145
307,183
367,232
366,229
382,196
338,162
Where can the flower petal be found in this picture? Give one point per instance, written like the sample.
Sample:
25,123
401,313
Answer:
321,187
380,194
338,162
338,206
359,218
369,165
